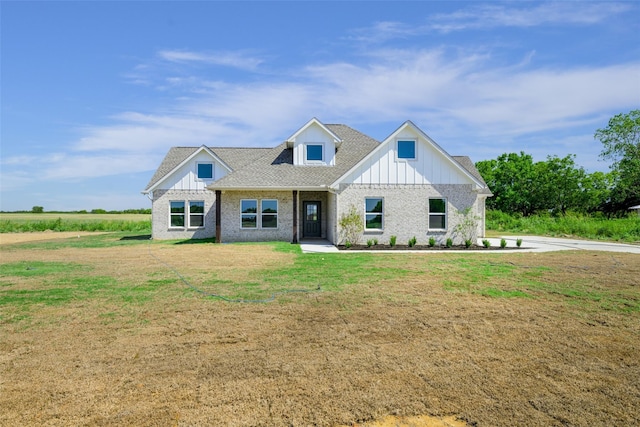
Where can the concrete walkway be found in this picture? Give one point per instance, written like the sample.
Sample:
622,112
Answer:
529,244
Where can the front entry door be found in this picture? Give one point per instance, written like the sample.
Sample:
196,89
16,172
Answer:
311,219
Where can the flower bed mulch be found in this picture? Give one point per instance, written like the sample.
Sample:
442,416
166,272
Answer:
424,248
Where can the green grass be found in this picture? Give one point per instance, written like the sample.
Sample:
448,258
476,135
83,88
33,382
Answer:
30,222
27,285
589,227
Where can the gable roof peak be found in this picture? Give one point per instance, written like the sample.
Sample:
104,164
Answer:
314,121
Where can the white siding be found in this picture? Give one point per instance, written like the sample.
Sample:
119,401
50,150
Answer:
429,167
185,178
314,134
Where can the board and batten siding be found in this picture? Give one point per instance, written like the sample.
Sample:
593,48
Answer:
186,177
429,167
314,134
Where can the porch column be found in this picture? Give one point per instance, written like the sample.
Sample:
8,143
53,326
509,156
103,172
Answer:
218,215
295,216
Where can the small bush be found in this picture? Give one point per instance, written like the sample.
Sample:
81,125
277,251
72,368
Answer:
519,242
347,244
432,241
503,243
412,241
375,241
449,242
392,240
486,243
467,243
369,243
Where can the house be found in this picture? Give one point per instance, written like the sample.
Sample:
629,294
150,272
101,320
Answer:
404,186
636,209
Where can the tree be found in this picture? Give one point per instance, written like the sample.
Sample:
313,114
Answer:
351,226
561,183
621,141
37,209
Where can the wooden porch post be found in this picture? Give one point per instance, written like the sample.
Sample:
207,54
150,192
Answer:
295,216
218,215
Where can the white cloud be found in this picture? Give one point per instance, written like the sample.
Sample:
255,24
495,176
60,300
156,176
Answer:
239,60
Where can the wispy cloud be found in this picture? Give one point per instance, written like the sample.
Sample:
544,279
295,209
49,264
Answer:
490,16
239,60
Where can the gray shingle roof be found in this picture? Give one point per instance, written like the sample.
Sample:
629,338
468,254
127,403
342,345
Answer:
273,167
276,169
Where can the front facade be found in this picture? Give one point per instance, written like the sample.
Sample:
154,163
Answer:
405,186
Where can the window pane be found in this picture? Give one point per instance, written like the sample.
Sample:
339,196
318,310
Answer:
314,152
374,205
249,206
196,220
374,221
249,221
177,220
437,222
312,212
205,170
269,206
269,221
406,149
437,206
177,207
196,207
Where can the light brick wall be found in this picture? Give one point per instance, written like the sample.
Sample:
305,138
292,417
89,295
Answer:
231,225
160,214
406,210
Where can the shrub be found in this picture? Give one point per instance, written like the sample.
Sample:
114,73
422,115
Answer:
519,242
467,243
392,240
369,243
347,244
432,241
412,241
503,243
375,241
486,243
351,226
449,242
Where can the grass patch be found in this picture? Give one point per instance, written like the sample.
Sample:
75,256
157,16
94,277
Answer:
585,226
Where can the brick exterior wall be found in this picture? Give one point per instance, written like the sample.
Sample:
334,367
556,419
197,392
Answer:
406,210
160,214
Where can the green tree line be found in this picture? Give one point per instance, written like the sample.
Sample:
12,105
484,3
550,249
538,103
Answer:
558,185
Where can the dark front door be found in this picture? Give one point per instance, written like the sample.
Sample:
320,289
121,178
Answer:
311,219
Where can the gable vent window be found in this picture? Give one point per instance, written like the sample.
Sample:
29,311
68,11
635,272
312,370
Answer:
205,170
407,150
314,152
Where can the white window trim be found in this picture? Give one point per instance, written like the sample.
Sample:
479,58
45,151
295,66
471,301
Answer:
373,213
171,215
277,214
445,214
257,214
213,171
415,150
204,216
314,162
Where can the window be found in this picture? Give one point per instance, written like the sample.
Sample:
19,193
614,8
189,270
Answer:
177,214
205,170
373,214
437,214
269,214
196,214
249,213
406,150
314,152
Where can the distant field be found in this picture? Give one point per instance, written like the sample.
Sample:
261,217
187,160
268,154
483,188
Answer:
87,217
30,222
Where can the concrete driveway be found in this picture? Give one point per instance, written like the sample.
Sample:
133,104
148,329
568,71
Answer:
529,244
549,244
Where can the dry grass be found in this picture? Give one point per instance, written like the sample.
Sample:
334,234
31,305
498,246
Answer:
418,345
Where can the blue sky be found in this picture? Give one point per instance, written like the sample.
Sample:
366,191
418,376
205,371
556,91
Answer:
93,94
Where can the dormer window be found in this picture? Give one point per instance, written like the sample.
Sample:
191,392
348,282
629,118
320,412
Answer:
205,171
314,153
406,150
